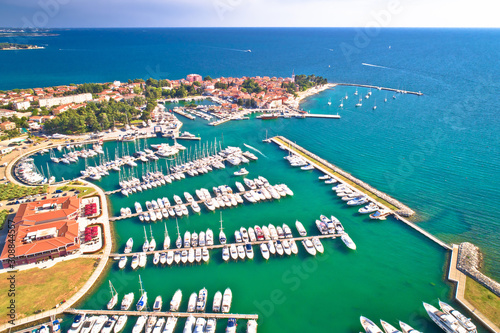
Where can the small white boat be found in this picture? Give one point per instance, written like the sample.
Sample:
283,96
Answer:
317,245
176,300
264,250
216,307
225,253
192,303
300,228
241,251
407,328
123,262
252,326
139,324
241,172
205,255
233,251
388,328
226,301
309,246
271,247
158,304
249,251
369,326
120,323
348,241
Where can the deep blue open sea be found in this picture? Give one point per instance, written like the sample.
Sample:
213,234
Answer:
438,153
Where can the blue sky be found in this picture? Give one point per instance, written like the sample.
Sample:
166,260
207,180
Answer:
249,13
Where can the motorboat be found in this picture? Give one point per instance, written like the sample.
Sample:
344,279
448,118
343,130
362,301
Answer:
127,301
201,302
170,325
241,172
191,255
233,251
99,324
446,322
348,241
407,328
216,307
293,246
370,208
369,325
225,253
88,323
159,325
135,261
211,325
163,257
388,328
264,250
322,227
192,302
188,327
286,247
279,248
123,262
176,300
287,231
241,251
142,259
226,301
231,325
156,258
139,324
317,245
463,320
271,247
252,326
380,215
199,327
300,228
249,251
77,323
120,323
157,304
309,246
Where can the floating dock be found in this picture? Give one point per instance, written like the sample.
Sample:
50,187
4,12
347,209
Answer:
220,246
217,315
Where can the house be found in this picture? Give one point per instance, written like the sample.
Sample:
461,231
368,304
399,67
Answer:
7,126
194,77
43,230
22,105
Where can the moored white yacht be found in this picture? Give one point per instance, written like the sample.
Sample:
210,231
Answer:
447,322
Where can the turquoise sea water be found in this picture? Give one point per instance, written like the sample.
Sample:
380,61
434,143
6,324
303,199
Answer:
437,153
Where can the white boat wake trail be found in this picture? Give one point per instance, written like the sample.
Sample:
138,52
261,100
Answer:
365,64
254,149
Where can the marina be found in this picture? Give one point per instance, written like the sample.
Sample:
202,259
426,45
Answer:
163,314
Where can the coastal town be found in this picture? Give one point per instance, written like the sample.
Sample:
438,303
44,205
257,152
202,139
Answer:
66,227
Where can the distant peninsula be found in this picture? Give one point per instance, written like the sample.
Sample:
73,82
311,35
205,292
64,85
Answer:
14,46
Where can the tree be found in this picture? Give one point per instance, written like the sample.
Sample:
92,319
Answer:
207,78
35,112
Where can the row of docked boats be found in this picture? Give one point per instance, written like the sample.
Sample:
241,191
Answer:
332,226
98,324
447,318
356,198
27,172
72,155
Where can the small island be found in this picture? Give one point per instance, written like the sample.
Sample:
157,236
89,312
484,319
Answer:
14,46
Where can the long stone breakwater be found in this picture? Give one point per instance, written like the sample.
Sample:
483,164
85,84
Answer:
403,210
469,261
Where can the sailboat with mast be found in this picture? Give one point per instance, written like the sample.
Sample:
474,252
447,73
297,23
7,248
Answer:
152,243
166,242
222,235
114,297
143,300
178,242
145,246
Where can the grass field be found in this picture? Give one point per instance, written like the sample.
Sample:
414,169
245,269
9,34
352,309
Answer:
484,300
13,191
42,289
3,217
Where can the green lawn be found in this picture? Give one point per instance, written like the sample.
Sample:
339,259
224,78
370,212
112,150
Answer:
53,285
484,300
13,191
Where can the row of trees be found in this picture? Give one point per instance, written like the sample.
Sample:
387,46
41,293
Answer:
308,81
94,117
93,88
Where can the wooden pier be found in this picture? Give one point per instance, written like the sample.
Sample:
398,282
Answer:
328,116
163,314
220,246
185,114
401,91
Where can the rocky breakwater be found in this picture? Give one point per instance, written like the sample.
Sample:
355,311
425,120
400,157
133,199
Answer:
469,262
